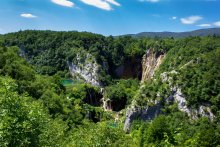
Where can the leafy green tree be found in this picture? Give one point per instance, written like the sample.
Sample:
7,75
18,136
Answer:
24,121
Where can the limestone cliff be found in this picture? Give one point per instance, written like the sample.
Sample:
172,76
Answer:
178,97
86,68
146,113
150,63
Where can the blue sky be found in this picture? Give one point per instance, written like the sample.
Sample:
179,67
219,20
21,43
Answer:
109,17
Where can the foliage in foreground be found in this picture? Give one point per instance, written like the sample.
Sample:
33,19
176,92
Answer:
24,121
176,130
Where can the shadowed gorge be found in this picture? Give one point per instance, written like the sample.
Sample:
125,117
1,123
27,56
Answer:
131,68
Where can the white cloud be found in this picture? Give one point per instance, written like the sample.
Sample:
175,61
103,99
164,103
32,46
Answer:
65,3
102,4
205,25
174,18
151,1
113,2
217,24
28,15
191,19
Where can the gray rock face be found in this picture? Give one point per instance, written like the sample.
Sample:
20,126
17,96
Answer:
202,110
106,104
150,62
179,98
146,113
150,112
131,114
87,69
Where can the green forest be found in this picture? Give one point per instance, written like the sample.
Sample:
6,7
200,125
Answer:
43,104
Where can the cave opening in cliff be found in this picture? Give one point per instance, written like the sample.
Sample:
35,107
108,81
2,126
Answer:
118,105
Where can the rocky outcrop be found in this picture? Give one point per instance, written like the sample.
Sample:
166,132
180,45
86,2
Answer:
85,68
150,112
131,114
146,113
178,97
113,105
106,104
151,61
201,111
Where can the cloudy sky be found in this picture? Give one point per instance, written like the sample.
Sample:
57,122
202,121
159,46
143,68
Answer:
109,17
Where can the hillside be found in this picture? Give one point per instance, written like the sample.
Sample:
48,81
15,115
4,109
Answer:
201,32
85,89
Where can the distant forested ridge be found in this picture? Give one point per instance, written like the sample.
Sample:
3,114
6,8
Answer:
199,33
82,89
